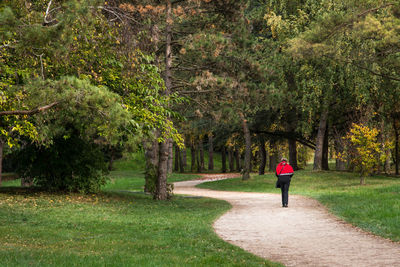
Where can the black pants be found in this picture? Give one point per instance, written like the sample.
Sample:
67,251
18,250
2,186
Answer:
284,183
285,193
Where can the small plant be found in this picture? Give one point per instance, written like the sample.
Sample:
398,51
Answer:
363,150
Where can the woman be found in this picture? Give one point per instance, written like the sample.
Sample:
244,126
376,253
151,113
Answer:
284,172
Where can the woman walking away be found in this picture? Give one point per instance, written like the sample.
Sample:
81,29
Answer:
284,172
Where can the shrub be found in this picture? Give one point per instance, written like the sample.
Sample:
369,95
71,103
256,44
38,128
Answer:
69,164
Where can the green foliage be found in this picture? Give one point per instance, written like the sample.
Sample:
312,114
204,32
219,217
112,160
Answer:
303,156
364,150
94,112
69,164
79,42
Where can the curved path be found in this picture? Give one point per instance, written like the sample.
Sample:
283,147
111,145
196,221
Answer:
305,234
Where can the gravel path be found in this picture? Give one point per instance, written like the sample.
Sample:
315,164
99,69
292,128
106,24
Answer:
305,234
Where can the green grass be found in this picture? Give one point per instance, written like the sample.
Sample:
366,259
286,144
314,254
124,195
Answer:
374,207
16,182
113,228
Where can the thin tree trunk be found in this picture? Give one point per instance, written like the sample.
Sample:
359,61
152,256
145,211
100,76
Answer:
112,158
193,160
177,156
181,164
362,180
1,159
319,148
387,161
184,158
237,160
161,188
210,152
340,163
231,160
273,156
247,153
201,150
223,159
262,155
293,154
291,125
170,156
382,140
325,154
396,148
198,157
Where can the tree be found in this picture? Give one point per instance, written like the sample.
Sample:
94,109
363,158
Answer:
361,36
80,40
364,150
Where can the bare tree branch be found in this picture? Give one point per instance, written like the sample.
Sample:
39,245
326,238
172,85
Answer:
116,15
48,11
197,91
28,112
290,135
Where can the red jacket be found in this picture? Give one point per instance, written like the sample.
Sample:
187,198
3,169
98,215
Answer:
284,169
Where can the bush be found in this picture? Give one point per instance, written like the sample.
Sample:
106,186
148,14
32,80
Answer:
69,164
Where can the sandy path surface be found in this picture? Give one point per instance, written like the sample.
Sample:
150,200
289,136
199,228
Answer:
305,234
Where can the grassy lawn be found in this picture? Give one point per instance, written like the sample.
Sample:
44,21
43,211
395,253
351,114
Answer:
113,228
374,207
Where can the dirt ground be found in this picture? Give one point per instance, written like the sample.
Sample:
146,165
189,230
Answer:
305,234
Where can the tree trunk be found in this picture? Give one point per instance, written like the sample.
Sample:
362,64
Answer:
384,150
198,156
396,147
293,154
210,152
340,163
247,152
161,186
170,156
201,150
362,180
237,160
273,156
184,158
193,160
319,148
181,164
223,159
151,172
387,161
177,156
262,155
231,160
291,125
1,159
325,154
112,158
